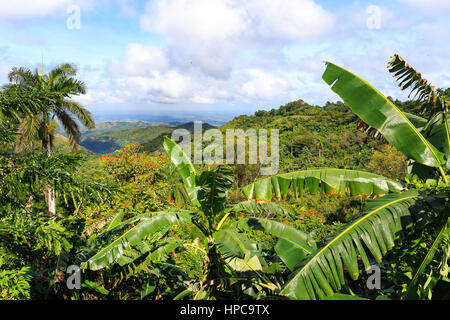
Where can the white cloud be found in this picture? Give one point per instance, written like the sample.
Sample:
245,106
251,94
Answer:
200,34
288,20
140,60
263,86
206,34
168,87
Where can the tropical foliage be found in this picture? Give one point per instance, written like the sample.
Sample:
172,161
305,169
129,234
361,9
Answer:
144,225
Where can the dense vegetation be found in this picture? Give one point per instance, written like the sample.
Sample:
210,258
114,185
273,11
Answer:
361,184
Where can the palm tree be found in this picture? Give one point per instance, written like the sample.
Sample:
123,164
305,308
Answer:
58,85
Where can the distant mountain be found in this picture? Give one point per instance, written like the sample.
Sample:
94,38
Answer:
125,125
103,142
110,136
156,144
190,126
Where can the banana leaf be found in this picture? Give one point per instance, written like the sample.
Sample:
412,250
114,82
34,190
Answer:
232,244
261,210
292,246
379,112
114,251
322,273
421,281
185,168
334,181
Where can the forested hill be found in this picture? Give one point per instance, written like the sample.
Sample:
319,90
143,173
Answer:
110,136
314,136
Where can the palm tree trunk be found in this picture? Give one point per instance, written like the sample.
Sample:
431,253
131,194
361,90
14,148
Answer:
49,192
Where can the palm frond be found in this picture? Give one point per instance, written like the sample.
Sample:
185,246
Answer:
23,76
81,113
70,126
28,132
408,78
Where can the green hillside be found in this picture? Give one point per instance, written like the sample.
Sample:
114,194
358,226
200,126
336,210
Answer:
112,140
314,137
103,141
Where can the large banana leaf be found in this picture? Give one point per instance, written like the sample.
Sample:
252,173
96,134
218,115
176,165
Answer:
339,181
184,167
422,281
213,187
134,236
293,245
280,230
240,253
322,273
437,132
233,244
379,112
261,209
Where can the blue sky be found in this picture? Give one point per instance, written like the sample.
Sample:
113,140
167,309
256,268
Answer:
214,59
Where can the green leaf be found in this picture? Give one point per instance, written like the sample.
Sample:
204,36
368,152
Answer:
111,253
116,220
94,286
185,168
230,243
243,265
213,187
293,245
289,252
147,289
164,249
339,181
341,296
379,112
262,210
420,275
280,230
322,273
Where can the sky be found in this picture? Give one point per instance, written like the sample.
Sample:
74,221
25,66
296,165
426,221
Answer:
216,59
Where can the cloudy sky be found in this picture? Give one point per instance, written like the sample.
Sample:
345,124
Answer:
214,59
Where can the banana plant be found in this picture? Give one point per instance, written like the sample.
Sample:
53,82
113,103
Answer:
378,228
384,220
230,257
227,248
